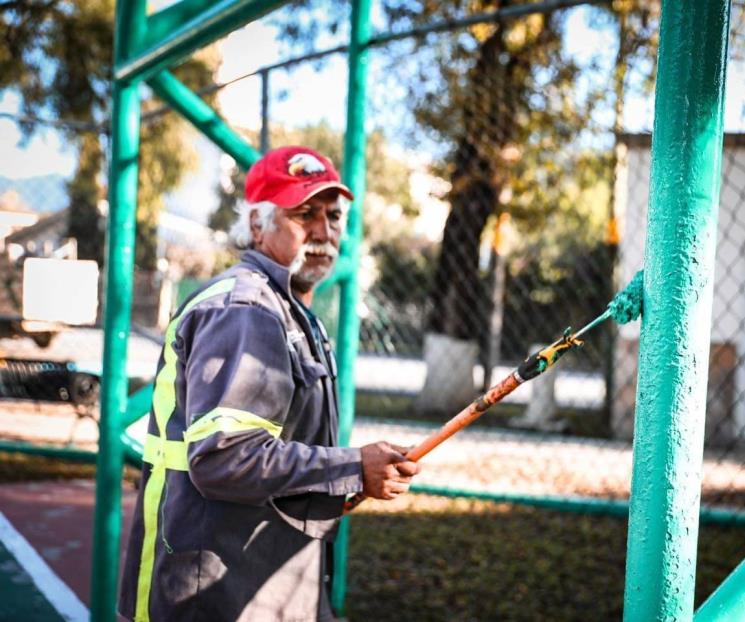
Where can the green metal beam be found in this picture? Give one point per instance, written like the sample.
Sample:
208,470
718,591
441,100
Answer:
124,156
354,176
138,405
727,602
133,449
220,19
130,28
118,303
349,322
182,99
49,451
577,505
678,287
162,23
72,454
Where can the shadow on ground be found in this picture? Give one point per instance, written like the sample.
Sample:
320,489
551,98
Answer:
435,559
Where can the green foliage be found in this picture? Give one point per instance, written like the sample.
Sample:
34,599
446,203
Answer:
229,192
59,58
84,192
405,269
527,128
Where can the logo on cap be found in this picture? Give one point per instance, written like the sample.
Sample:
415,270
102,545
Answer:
304,164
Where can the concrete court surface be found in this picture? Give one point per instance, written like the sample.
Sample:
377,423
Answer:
46,533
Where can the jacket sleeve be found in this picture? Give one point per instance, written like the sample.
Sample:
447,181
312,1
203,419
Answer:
238,390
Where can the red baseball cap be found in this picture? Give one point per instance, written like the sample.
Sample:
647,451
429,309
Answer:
289,176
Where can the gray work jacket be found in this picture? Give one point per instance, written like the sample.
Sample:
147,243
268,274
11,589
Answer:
242,483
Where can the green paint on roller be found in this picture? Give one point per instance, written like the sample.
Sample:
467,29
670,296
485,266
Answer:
626,305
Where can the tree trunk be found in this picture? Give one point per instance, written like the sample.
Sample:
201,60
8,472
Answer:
461,304
84,222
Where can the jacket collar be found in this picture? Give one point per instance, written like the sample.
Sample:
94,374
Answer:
280,275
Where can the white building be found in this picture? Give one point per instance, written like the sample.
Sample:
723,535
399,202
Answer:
725,418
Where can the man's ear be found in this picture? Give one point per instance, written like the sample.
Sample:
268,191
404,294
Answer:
256,232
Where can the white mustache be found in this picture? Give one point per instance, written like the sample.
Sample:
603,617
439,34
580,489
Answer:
319,248
313,248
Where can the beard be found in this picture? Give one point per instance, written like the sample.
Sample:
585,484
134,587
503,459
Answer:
303,275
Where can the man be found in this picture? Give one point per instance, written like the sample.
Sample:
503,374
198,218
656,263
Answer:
242,483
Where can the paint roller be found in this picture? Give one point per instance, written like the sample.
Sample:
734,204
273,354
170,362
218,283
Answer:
625,307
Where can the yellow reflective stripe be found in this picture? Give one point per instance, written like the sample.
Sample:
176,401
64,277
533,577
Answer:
171,453
223,419
164,396
164,402
150,503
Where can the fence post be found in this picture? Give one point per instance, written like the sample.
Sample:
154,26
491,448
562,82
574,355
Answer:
264,144
125,144
678,289
349,324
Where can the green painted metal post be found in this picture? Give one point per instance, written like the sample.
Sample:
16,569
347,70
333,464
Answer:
162,23
182,99
122,200
727,603
349,325
125,144
678,286
221,18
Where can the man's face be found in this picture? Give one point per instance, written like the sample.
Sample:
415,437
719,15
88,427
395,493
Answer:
305,239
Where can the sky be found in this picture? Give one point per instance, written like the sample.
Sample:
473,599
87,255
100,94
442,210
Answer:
244,51
45,153
302,96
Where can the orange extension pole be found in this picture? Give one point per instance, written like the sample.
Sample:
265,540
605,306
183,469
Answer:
464,418
532,367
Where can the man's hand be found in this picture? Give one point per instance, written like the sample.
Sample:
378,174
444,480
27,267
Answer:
386,472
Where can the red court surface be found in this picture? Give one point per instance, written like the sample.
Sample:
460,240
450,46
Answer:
56,519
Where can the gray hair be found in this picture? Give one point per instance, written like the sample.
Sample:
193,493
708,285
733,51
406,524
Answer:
240,232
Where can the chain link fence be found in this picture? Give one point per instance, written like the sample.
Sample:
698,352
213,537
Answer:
532,144
508,176
522,211
51,298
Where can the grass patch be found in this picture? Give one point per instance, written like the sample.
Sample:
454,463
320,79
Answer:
433,559
453,559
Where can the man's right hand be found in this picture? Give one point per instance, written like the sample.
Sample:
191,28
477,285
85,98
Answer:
386,472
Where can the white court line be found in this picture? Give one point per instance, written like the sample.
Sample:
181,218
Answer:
56,591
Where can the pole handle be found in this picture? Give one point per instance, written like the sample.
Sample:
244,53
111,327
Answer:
464,418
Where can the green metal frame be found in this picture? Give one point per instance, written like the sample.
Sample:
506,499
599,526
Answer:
182,99
576,505
727,603
190,25
145,47
668,441
347,338
687,146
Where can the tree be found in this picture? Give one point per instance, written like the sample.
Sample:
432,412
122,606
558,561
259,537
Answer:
58,55
525,125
